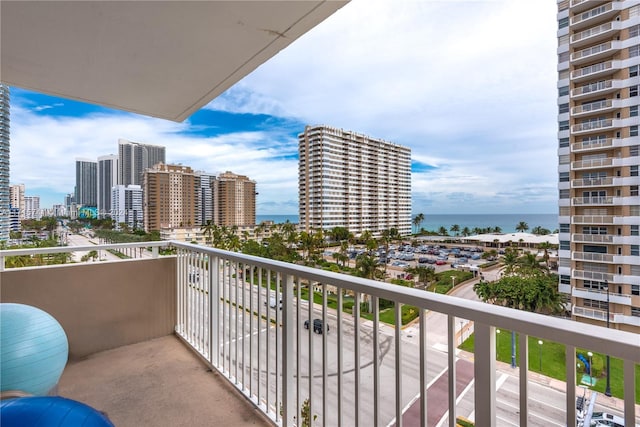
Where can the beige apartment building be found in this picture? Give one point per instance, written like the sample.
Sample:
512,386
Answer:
351,180
169,194
599,204
236,196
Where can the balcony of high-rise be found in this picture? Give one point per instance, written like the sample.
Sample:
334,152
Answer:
190,337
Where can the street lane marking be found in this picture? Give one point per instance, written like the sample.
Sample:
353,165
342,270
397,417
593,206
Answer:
246,336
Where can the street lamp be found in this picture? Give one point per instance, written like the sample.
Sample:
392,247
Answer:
497,343
461,334
540,344
607,390
590,368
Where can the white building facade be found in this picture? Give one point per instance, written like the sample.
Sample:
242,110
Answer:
599,158
354,181
126,206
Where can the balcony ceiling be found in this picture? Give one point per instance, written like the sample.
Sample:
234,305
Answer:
164,59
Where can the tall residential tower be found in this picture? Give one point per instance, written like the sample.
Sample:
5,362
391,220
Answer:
86,193
4,163
134,158
236,197
107,179
354,181
598,84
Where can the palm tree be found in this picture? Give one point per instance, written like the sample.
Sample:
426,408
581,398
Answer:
455,228
522,226
497,229
466,231
509,261
545,246
417,220
424,274
208,230
442,231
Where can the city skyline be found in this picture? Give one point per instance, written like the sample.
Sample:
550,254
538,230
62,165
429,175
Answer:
476,108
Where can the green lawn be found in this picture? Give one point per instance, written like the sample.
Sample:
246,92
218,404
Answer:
552,359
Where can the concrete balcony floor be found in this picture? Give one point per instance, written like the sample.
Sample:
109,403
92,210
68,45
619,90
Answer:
159,382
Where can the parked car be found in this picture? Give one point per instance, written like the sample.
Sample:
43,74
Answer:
440,262
317,326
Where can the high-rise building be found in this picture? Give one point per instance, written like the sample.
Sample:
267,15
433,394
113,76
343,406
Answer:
169,197
4,162
134,158
599,203
236,200
206,209
86,192
126,204
354,181
107,179
32,207
16,198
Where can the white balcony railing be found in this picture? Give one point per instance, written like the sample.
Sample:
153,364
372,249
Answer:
592,238
592,275
598,295
360,372
598,200
592,145
593,163
592,219
589,256
591,32
592,13
592,88
594,125
592,182
592,107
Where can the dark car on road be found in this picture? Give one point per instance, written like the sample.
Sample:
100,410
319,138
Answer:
317,326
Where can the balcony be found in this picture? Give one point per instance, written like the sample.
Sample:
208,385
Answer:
595,34
592,313
120,317
593,16
592,238
594,126
592,182
581,5
596,89
591,257
595,53
592,275
598,295
599,144
604,106
592,163
595,201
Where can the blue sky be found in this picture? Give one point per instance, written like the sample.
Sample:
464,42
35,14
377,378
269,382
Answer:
475,99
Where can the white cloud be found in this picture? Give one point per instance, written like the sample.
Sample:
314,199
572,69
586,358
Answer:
470,86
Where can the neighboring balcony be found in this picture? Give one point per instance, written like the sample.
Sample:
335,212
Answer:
593,275
592,164
594,201
592,238
585,146
592,219
594,126
126,322
592,182
598,295
595,34
591,257
596,89
604,106
594,16
594,53
595,71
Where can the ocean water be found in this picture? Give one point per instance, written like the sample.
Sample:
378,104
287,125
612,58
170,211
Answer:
507,222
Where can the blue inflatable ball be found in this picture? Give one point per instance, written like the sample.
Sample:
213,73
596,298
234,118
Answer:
46,411
33,349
